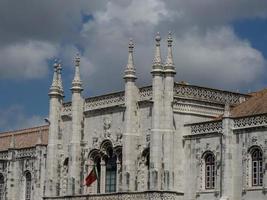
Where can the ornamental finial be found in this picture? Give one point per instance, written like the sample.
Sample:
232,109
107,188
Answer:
169,65
130,68
157,64
77,83
59,72
54,89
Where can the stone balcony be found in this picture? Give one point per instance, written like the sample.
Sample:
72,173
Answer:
147,195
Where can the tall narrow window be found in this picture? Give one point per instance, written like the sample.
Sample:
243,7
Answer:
111,172
257,168
28,186
2,187
209,171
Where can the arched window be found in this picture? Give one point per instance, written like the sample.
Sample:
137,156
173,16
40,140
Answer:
111,171
2,187
257,168
28,186
209,171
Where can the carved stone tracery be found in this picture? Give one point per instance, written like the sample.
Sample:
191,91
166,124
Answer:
207,127
252,121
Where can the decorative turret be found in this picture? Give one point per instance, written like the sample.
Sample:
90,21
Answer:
77,83
157,64
130,68
75,182
168,135
55,105
169,65
131,120
157,120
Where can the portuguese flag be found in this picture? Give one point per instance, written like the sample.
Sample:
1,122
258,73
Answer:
91,177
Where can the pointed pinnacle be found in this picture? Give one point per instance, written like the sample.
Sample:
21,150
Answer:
130,69
169,65
157,64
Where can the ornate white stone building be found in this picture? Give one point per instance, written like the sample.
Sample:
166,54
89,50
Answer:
165,141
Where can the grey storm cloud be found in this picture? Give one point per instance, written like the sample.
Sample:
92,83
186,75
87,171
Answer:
205,43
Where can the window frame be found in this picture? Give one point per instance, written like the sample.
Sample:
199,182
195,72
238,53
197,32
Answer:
28,186
256,167
210,171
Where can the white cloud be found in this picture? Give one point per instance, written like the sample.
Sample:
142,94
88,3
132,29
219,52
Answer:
26,60
207,52
218,58
14,117
104,38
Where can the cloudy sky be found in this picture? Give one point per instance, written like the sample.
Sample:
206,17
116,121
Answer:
217,43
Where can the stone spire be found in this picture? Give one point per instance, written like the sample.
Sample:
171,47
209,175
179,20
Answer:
77,83
54,89
130,68
59,79
157,64
169,65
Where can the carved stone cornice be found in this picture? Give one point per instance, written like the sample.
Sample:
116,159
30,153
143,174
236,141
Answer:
145,93
4,155
196,107
108,100
213,97
208,94
250,122
206,127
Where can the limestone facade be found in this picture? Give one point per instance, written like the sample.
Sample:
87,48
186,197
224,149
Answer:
165,141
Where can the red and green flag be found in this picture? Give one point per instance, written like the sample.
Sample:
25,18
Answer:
92,177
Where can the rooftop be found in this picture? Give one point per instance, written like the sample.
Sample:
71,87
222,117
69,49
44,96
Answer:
24,138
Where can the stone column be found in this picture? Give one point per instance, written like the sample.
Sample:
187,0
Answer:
168,137
75,143
157,119
118,183
131,119
103,176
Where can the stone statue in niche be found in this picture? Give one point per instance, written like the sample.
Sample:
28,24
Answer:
107,126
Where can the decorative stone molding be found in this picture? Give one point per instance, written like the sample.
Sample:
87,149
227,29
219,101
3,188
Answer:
250,122
145,93
207,127
4,155
208,94
22,153
201,108
152,195
104,101
66,110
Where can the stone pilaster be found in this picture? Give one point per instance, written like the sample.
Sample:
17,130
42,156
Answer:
12,174
131,119
55,106
227,157
168,136
75,143
157,118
